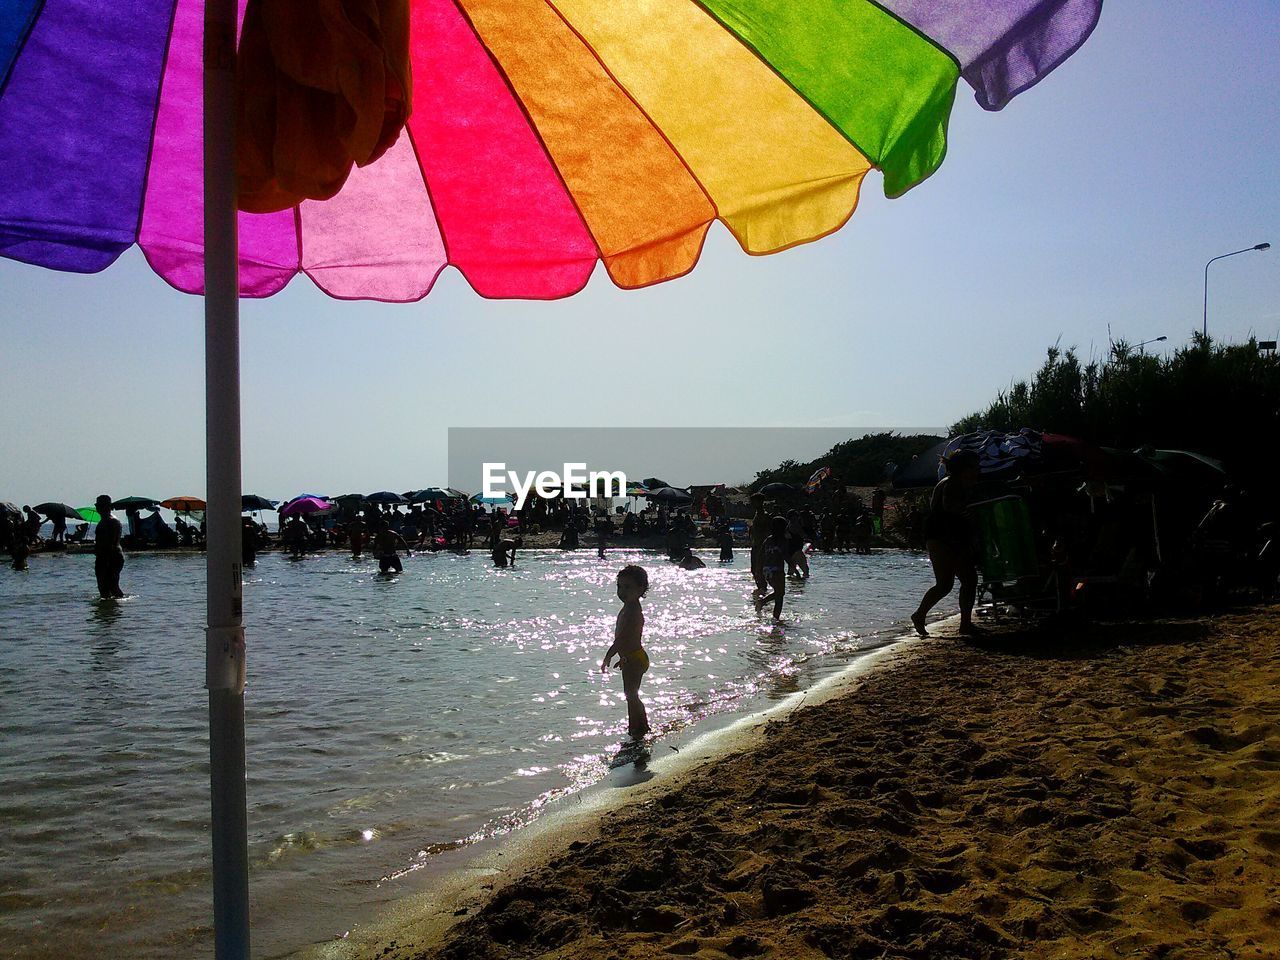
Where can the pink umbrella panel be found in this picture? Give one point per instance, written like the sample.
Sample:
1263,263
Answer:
545,135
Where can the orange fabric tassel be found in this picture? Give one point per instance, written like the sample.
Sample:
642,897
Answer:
321,85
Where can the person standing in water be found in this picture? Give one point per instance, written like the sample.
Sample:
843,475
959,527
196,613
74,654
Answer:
773,561
633,583
384,546
356,530
949,541
108,558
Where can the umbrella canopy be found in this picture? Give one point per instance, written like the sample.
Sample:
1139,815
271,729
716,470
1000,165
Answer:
491,501
653,483
134,503
251,501
637,490
1185,467
775,490
427,495
59,511
669,495
762,114
527,116
820,476
184,504
89,515
384,496
305,505
7,508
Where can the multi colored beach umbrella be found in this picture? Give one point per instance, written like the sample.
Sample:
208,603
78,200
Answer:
184,504
545,135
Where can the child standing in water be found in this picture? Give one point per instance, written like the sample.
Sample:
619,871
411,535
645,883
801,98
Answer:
773,557
633,583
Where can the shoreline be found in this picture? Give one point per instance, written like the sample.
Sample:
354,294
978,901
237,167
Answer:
464,886
1109,791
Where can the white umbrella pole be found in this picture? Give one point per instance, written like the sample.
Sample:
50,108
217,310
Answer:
224,658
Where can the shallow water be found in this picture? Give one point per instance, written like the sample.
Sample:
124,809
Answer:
388,719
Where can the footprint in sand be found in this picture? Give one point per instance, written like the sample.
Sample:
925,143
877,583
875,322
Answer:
1196,911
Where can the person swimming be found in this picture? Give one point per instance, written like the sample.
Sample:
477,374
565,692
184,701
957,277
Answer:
633,583
687,560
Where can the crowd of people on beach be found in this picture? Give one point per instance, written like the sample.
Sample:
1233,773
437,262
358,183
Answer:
779,545
781,536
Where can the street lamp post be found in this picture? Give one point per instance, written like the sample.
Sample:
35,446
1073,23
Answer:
1145,342
1259,246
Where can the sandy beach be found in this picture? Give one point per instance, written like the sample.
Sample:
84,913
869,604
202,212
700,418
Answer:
1107,792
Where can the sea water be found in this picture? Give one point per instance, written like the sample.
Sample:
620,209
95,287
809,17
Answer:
390,721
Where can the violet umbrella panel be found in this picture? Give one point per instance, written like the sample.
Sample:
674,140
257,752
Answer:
545,135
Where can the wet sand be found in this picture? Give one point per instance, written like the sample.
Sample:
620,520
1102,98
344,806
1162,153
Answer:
1107,792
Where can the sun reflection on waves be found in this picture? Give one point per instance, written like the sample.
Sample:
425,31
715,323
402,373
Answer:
387,721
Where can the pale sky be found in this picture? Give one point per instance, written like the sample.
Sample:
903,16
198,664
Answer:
1092,201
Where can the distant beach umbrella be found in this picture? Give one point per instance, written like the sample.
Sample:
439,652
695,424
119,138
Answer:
820,476
491,501
669,495
427,495
134,503
251,501
384,496
57,511
303,506
184,504
653,483
776,490
637,490
89,515
9,508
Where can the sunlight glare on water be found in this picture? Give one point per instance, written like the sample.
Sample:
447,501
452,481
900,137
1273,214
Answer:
388,720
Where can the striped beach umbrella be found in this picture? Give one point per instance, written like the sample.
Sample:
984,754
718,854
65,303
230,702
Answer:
544,136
